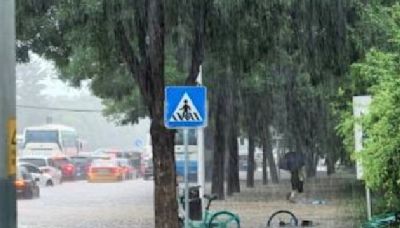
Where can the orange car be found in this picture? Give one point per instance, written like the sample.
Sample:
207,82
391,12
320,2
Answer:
102,170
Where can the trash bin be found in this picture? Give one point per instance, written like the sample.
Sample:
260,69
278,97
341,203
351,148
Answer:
195,205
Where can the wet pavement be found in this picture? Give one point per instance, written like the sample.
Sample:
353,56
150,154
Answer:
87,205
129,204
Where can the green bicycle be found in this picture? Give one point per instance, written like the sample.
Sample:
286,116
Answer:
212,219
391,219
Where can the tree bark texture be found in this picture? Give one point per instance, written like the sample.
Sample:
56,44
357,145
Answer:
264,162
250,159
165,203
330,163
199,11
218,177
271,161
148,72
233,126
233,164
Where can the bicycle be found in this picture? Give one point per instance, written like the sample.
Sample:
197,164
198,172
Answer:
290,221
391,219
284,218
211,219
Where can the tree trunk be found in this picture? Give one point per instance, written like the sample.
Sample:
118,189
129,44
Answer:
235,174
199,10
330,163
165,203
311,164
217,186
264,162
250,159
270,157
233,165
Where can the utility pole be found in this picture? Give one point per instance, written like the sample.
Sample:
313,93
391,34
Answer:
8,211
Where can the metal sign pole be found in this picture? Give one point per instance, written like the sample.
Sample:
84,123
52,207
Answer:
201,163
360,107
8,214
185,108
185,139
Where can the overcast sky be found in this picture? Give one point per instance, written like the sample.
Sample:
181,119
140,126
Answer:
124,137
54,86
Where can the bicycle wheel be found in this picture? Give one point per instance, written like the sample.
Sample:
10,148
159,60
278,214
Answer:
224,219
282,218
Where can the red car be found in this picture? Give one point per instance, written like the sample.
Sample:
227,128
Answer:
127,170
66,166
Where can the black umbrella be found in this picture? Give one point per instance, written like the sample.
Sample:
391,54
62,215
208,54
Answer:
292,161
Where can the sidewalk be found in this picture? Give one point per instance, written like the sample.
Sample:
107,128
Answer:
342,200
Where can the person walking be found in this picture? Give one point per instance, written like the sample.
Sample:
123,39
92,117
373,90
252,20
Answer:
297,178
294,162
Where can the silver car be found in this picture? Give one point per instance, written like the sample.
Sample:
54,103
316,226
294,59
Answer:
50,174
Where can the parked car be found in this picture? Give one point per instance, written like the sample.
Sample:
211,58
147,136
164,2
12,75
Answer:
82,164
46,165
45,179
104,170
127,169
148,169
26,186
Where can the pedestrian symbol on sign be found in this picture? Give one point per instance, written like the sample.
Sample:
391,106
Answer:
185,107
186,111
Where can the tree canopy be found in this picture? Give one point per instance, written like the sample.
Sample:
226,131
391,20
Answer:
377,74
284,65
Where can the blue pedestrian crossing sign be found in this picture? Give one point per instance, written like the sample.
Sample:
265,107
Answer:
185,107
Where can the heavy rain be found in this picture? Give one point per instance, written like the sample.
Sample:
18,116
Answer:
200,113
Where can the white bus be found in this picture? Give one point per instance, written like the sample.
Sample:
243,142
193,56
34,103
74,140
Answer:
179,153
50,140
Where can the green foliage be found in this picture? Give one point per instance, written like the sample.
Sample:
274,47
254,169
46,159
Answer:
287,58
378,74
381,155
79,36
345,129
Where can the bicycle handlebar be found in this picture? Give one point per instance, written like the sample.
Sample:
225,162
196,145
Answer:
210,198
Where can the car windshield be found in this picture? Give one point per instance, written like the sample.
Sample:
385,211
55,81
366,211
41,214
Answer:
40,162
60,161
103,163
123,162
41,136
30,168
192,137
22,173
80,159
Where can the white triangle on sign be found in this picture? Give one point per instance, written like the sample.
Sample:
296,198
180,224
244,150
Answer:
186,111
